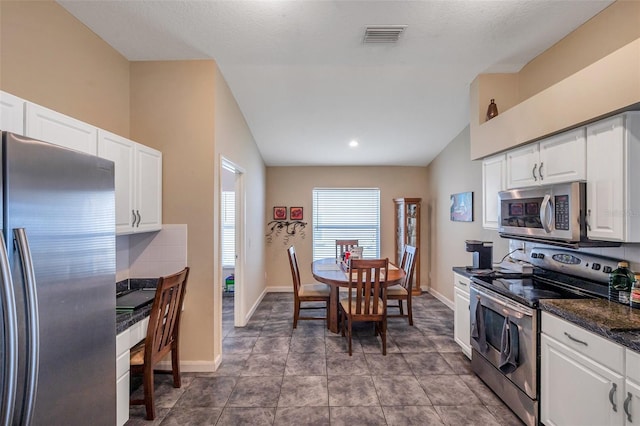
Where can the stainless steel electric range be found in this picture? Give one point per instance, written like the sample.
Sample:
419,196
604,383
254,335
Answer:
505,320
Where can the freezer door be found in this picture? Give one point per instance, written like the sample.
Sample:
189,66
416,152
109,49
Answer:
64,201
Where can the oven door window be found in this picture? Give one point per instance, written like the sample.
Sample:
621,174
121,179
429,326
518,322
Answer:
493,324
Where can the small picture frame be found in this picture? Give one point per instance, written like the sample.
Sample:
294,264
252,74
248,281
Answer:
295,213
461,206
279,213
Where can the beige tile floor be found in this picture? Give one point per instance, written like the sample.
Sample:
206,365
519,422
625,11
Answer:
272,374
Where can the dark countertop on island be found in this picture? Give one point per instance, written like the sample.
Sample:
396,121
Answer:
611,320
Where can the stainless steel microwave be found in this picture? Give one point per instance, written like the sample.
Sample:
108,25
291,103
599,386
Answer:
552,212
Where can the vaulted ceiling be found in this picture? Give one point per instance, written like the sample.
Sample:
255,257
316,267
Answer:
308,85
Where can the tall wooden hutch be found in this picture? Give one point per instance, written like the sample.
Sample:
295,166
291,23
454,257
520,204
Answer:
407,225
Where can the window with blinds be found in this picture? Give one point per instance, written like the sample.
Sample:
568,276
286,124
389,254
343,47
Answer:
228,229
344,214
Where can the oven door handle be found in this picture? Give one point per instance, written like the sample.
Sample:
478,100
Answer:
507,308
545,214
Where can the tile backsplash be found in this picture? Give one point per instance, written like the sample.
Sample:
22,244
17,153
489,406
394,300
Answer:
152,254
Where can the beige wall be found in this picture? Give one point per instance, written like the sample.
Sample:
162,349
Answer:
293,186
50,58
611,29
235,143
452,172
172,110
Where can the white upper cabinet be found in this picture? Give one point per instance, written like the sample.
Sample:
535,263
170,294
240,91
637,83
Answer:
522,166
11,113
560,158
138,183
121,151
613,173
148,189
50,126
563,158
493,181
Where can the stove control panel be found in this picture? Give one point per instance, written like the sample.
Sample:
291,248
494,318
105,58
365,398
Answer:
585,265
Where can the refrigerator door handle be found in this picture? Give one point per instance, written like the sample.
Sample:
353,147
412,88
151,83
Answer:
33,324
11,338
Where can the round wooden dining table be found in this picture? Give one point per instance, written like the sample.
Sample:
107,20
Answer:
329,272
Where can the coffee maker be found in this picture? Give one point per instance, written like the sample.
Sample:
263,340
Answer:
482,253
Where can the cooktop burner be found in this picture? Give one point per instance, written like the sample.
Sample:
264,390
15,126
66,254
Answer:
530,290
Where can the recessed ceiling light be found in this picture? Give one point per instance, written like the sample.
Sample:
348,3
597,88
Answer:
353,143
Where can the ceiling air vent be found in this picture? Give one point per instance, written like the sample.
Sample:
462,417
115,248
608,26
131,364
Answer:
383,33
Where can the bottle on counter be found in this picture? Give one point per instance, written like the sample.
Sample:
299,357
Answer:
634,299
620,282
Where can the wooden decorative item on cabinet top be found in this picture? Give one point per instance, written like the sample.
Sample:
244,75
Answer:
407,226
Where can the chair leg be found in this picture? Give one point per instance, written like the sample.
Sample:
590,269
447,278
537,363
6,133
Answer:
327,313
296,314
175,366
383,334
147,383
350,330
400,306
409,311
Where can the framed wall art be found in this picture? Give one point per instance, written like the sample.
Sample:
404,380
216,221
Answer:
295,213
462,207
280,213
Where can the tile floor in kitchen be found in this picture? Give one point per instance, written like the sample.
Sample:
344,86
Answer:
273,374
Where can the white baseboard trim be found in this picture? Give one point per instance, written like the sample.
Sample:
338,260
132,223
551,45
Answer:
193,366
255,306
279,289
440,297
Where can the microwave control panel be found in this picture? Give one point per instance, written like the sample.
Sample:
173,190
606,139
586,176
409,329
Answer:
562,212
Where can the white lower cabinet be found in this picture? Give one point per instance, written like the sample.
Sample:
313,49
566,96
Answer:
461,323
582,378
125,341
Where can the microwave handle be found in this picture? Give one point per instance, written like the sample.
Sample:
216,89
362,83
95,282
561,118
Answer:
544,217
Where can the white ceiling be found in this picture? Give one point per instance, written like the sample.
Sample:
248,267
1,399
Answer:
306,83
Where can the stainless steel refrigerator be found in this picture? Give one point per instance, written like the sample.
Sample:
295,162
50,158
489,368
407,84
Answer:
57,266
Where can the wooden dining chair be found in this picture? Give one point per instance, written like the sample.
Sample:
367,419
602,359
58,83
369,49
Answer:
402,292
162,337
302,293
344,245
367,298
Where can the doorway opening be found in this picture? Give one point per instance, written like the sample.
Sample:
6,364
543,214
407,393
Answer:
231,251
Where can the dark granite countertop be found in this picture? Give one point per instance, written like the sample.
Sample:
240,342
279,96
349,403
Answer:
462,270
610,320
125,320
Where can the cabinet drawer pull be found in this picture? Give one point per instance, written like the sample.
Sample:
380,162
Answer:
627,401
462,284
612,393
133,223
540,171
535,166
575,340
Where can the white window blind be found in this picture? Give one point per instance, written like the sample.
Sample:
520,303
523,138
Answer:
228,228
341,214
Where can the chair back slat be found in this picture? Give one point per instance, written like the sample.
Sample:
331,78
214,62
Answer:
164,319
344,245
295,271
367,278
408,265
